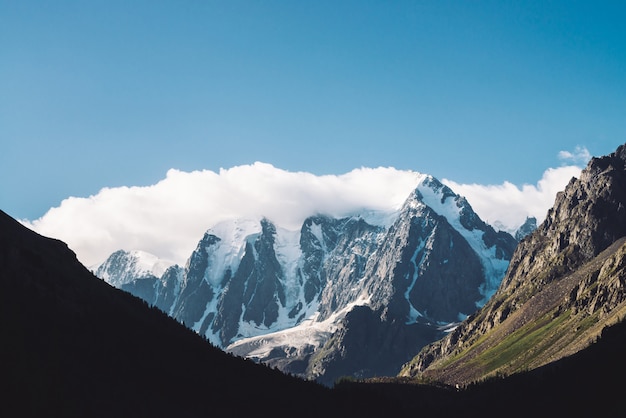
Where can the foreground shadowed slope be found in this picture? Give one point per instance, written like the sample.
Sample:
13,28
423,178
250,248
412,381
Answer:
586,384
71,345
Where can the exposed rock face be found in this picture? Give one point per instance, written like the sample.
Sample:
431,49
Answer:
426,273
245,278
368,343
345,267
566,276
257,285
587,217
427,263
310,301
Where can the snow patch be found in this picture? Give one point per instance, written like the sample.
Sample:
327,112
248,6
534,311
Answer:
229,251
209,334
380,217
150,263
289,255
316,230
414,314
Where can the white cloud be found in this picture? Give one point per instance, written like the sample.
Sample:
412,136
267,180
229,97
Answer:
580,155
168,218
509,205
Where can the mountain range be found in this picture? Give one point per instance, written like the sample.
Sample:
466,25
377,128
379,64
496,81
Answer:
309,301
73,346
549,341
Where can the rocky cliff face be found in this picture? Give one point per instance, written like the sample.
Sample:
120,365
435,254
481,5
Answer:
565,282
436,264
248,278
339,296
587,217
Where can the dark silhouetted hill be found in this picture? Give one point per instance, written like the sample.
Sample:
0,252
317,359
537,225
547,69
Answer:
73,346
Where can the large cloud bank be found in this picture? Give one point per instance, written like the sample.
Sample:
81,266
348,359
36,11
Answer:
506,206
168,218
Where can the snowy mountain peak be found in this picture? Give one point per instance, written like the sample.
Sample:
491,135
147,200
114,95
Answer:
526,228
123,267
236,231
224,244
150,263
444,202
431,187
493,248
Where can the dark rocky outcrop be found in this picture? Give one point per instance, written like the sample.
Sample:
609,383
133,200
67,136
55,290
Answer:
368,343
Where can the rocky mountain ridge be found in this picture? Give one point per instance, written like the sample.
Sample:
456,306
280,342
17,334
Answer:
565,283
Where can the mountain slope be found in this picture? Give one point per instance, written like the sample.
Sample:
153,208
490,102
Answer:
582,385
74,346
565,283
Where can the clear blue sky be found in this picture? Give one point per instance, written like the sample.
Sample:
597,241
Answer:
111,93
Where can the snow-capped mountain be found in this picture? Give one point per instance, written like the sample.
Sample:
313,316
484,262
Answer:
436,264
123,267
358,295
248,278
144,275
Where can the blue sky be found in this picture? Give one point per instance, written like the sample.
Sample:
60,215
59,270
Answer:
100,94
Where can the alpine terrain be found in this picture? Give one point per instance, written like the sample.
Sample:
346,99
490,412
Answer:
553,333
74,346
566,283
356,296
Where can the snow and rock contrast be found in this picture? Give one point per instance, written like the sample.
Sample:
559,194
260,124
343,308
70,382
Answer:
358,295
565,284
